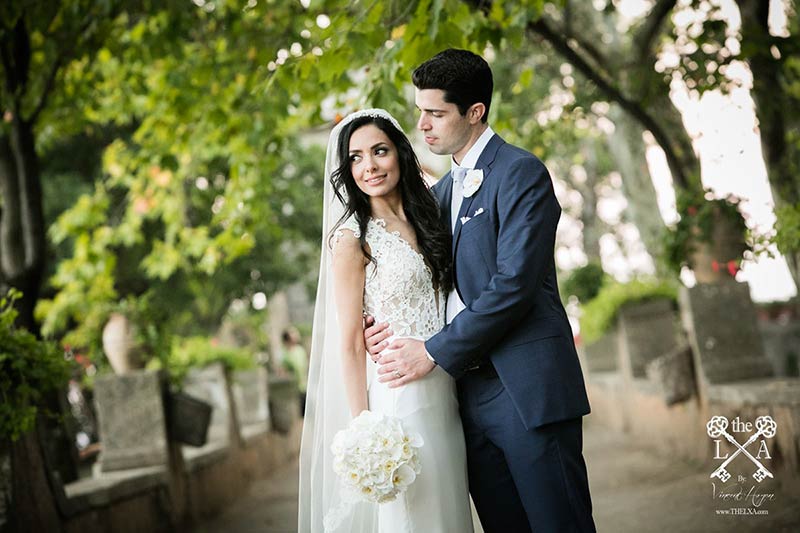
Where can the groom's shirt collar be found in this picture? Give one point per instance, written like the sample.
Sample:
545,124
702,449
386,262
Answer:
471,159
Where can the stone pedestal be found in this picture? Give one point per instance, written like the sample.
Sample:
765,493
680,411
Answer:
603,354
782,346
130,413
647,330
721,325
284,403
250,395
673,375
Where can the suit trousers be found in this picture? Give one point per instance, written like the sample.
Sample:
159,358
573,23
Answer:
521,480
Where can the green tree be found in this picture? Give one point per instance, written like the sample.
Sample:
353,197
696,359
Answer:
210,97
197,187
621,65
37,43
774,61
210,100
546,106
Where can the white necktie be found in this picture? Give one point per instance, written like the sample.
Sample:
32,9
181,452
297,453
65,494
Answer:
459,173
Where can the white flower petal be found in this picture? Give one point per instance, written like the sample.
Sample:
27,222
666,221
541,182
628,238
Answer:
415,440
403,476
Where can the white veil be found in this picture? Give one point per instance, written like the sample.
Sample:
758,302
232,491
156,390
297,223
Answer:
326,408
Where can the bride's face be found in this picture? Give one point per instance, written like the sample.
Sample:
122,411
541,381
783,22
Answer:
374,161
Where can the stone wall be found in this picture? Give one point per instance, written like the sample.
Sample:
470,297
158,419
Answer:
180,485
681,429
729,375
782,345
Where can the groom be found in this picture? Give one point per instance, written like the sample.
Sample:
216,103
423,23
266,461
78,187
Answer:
507,340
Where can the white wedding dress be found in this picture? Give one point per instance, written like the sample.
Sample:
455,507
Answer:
399,290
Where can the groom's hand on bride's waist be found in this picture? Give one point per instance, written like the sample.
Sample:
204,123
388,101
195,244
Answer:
375,336
404,361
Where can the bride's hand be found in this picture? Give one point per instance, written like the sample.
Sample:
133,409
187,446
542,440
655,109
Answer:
375,336
406,362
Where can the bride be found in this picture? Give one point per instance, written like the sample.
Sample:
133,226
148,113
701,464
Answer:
386,253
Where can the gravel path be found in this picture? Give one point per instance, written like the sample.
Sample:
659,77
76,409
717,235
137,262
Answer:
633,490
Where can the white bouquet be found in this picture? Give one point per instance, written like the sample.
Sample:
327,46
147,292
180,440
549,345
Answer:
375,459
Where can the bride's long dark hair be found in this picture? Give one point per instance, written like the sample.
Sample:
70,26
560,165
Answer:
419,204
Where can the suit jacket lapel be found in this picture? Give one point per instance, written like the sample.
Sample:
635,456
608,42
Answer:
485,162
465,205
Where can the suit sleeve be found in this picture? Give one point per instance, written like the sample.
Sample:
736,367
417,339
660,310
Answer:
528,215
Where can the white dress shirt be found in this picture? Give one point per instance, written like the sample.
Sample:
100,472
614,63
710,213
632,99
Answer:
454,303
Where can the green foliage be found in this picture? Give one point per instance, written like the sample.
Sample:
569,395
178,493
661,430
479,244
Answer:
206,191
198,352
205,196
150,321
787,229
113,261
599,314
584,282
704,51
699,214
29,368
247,329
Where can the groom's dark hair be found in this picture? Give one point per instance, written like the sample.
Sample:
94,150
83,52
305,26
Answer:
464,77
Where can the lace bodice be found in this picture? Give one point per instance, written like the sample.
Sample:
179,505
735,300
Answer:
399,288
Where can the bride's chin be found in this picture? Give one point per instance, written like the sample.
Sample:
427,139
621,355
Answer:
378,190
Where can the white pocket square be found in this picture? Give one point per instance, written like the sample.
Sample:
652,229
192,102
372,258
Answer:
464,220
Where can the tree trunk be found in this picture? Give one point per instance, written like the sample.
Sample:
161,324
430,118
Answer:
22,225
33,507
12,251
623,70
773,110
22,229
632,84
5,486
628,149
593,226
772,102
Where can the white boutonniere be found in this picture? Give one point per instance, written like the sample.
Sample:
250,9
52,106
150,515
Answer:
472,181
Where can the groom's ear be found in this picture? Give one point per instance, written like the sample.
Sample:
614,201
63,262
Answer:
475,112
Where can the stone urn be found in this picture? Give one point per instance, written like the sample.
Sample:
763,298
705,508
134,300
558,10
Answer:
119,344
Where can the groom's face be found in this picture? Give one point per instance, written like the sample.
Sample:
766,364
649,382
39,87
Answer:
446,130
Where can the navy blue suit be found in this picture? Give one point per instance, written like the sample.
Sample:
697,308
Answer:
522,405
